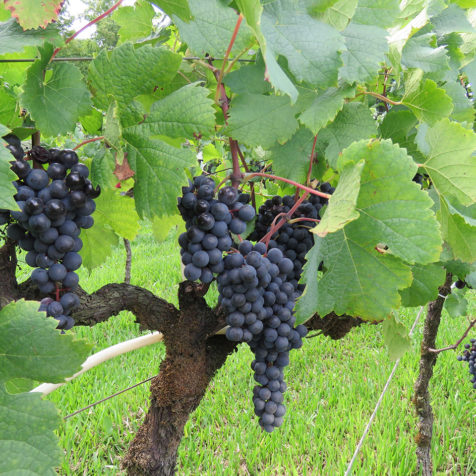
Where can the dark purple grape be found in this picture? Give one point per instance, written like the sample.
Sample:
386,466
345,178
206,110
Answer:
58,189
21,168
75,181
56,171
34,206
72,261
64,243
37,179
81,169
68,158
39,223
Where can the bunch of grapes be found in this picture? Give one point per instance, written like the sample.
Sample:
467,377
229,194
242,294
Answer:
209,223
55,204
469,355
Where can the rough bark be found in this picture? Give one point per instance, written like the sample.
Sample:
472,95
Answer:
193,356
127,273
421,399
8,282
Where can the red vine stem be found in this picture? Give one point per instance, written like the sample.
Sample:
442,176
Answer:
311,160
227,54
92,22
297,220
94,139
291,182
454,346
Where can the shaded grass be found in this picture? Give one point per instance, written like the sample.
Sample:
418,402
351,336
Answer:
332,389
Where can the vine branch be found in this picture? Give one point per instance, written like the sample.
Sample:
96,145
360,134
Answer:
454,346
94,139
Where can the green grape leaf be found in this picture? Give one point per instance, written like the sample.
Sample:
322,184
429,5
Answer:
291,160
19,385
325,107
30,347
463,110
55,104
134,22
377,12
98,243
449,163
161,226
117,211
102,168
7,190
459,231
277,77
425,284
395,336
9,114
182,113
160,172
428,102
28,441
14,39
342,204
139,70
336,13
456,305
368,281
366,48
311,47
417,53
248,79
261,120
451,20
211,29
179,8
92,123
352,123
112,126
32,13
394,211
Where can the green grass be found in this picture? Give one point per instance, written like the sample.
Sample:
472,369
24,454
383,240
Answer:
332,391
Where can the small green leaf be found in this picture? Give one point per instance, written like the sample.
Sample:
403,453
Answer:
248,79
92,123
55,104
396,338
135,22
261,120
98,243
325,107
336,13
428,102
424,287
456,305
377,12
182,113
342,204
33,14
450,163
7,190
174,7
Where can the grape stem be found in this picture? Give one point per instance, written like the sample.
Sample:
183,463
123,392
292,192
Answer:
92,22
94,139
291,182
227,54
297,220
454,346
379,96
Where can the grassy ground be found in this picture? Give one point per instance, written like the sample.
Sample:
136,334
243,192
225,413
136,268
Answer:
333,388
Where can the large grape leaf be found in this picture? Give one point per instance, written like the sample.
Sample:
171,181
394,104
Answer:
358,281
342,204
377,12
366,47
463,110
418,53
325,107
31,348
311,47
211,29
117,211
7,190
394,211
55,104
32,13
291,160
352,123
451,20
459,230
9,114
455,304
248,79
14,39
261,120
160,172
127,72
336,13
395,336
424,288
450,163
135,22
98,244
186,111
174,7
427,101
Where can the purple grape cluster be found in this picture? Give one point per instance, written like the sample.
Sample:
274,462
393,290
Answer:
209,223
258,298
55,204
469,355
